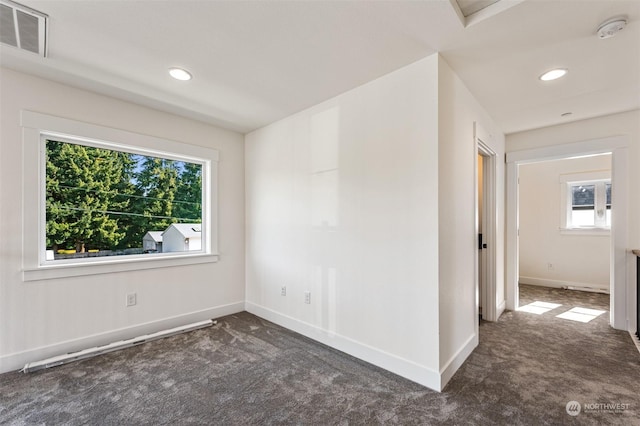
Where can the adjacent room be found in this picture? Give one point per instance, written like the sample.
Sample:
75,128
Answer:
565,233
319,212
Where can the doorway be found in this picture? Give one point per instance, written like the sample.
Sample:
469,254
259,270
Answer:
620,302
564,240
486,225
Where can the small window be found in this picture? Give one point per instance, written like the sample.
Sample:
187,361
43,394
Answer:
590,205
587,203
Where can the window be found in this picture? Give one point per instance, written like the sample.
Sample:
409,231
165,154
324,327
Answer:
101,200
590,204
587,201
106,202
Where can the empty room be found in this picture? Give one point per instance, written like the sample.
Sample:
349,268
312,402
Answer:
319,212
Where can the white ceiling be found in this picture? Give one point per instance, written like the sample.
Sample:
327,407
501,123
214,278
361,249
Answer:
255,62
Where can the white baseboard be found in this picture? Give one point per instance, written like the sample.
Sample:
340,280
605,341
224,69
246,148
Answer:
400,366
17,360
500,309
544,282
447,372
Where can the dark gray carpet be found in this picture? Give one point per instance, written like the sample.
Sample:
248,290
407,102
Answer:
248,371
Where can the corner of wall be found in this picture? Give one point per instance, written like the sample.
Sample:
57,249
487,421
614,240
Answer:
458,110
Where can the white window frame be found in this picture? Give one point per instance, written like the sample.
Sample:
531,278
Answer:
37,128
597,178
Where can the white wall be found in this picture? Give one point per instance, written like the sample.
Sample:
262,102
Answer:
49,317
367,201
458,110
341,201
577,259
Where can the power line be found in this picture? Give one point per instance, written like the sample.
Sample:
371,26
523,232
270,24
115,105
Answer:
126,213
125,195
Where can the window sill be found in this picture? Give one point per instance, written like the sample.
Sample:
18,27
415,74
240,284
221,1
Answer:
107,266
601,232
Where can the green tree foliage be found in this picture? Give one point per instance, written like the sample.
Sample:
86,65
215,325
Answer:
103,199
158,183
81,191
188,202
128,192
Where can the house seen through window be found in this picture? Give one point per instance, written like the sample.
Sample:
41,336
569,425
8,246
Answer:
108,202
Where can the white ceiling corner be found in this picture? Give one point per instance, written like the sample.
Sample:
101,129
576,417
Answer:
469,7
255,62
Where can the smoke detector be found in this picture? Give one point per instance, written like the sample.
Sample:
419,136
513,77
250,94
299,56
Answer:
611,27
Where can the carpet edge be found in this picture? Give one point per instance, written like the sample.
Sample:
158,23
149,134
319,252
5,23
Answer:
402,367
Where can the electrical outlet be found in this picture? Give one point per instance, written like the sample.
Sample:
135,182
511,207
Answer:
550,266
132,299
283,290
307,297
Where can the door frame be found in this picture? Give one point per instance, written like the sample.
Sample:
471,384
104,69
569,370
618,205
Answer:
622,293
489,224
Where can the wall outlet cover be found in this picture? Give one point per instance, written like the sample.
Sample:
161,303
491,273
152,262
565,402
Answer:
132,299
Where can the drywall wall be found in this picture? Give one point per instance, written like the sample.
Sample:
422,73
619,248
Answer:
342,202
548,255
49,317
457,155
367,202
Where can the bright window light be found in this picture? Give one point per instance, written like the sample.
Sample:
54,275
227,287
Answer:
553,74
180,74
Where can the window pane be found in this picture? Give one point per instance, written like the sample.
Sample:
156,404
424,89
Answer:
583,205
102,202
583,218
583,197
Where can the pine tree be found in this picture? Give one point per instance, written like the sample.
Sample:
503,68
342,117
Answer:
128,192
188,202
157,182
82,195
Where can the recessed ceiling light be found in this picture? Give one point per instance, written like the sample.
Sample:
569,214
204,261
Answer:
180,74
553,74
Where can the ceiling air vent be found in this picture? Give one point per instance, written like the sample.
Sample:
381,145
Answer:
23,27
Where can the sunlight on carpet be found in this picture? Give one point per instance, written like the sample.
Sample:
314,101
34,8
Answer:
581,314
538,307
